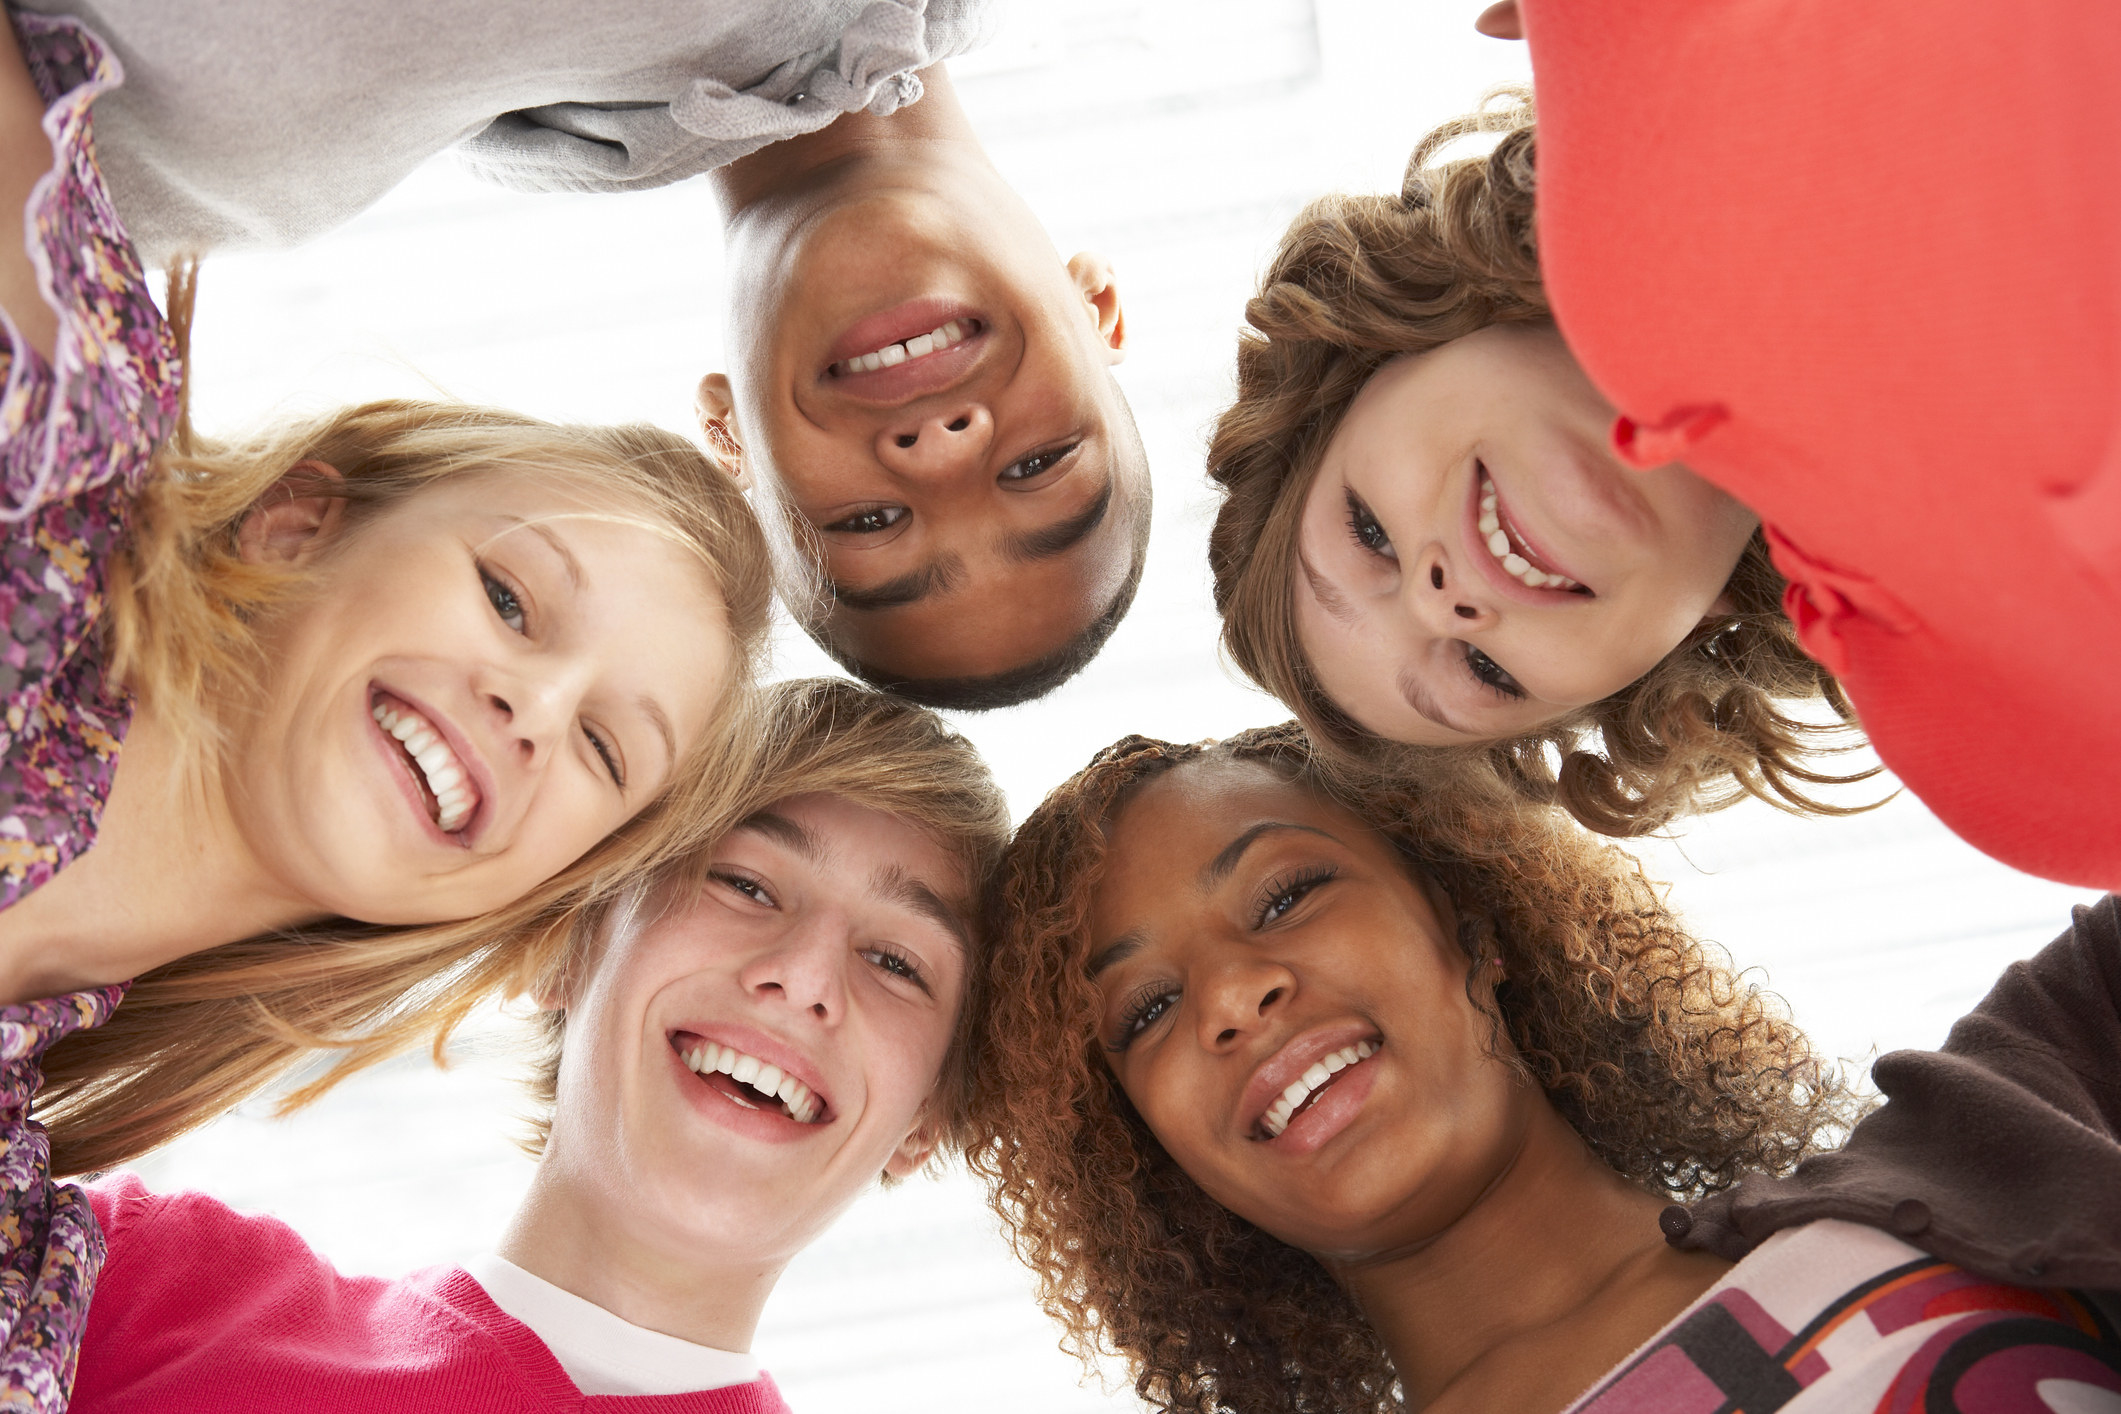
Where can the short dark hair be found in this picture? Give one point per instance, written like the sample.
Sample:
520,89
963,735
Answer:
1026,682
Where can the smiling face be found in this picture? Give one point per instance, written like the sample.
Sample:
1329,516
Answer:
824,960
925,384
1285,1008
1474,562
485,679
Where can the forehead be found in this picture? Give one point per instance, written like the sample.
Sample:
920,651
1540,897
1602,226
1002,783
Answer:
848,841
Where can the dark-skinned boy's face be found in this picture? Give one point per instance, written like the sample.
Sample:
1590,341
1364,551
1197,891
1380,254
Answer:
920,379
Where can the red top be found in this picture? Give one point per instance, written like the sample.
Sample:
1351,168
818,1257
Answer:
204,1310
1861,267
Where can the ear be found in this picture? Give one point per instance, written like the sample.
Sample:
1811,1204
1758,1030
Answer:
917,1147
1093,276
1501,21
716,408
291,522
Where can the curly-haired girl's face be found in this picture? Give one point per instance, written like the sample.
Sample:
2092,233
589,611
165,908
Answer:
1288,1011
1474,562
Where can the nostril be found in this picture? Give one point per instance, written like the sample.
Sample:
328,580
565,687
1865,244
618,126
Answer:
1467,611
907,439
502,703
1227,1036
1269,999
961,424
1436,576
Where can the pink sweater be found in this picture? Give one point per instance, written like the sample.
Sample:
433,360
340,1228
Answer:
204,1310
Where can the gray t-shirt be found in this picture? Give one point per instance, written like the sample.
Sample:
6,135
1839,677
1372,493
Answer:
266,122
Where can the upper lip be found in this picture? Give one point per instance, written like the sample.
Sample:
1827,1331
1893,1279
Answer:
1296,1056
473,763
916,377
1477,551
768,1048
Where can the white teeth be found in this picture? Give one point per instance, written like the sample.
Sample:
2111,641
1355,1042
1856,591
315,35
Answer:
446,777
1276,1119
919,346
796,1098
1498,543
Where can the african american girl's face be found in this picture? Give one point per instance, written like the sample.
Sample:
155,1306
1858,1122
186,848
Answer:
1474,562
1288,1011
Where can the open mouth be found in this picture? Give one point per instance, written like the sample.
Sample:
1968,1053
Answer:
445,786
1512,551
944,336
1306,1088
748,1081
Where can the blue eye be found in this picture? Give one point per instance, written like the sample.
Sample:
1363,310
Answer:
505,601
608,756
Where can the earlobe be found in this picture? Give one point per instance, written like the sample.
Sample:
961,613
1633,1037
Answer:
295,519
715,406
916,1148
1093,276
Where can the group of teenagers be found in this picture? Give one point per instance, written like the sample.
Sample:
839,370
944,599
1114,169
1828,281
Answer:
1757,394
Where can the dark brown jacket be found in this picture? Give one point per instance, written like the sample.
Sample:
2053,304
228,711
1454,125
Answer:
2000,1153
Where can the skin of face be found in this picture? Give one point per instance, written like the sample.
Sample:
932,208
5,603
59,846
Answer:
551,643
979,520
1411,624
827,940
1244,922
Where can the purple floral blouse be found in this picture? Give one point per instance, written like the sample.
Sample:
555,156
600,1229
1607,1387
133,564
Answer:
77,433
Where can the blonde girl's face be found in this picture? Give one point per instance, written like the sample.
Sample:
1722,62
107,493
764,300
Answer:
1474,562
486,679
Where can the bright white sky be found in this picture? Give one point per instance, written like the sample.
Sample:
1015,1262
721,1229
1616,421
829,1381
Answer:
1178,137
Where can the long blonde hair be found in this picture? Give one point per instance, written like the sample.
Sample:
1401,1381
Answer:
1361,280
829,736
181,636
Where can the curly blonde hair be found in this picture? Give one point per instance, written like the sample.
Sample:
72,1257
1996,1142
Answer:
181,636
1361,280
1677,1076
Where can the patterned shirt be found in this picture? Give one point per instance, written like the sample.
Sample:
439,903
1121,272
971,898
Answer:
77,434
1836,1318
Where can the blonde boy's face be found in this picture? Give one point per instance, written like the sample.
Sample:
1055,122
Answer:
742,1062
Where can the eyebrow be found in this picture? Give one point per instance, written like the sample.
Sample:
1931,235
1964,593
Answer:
559,547
1061,536
1329,598
1119,949
1417,695
660,720
894,884
941,573
1218,869
782,830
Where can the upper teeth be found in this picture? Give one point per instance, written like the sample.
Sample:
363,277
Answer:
891,355
446,776
1276,1119
1499,546
766,1078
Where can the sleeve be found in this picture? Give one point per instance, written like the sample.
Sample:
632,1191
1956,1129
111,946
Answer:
2001,1152
77,435
51,1248
604,147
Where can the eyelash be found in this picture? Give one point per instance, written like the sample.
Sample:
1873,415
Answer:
1290,889
1051,459
1134,1016
874,521
1494,679
906,969
1366,532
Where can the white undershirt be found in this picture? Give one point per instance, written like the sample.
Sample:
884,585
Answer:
602,1353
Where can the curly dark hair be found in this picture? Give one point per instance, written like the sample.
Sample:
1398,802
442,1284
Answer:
1361,280
1676,1074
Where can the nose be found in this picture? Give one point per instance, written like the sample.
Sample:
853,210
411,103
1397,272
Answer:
1237,997
529,713
804,967
1445,601
941,444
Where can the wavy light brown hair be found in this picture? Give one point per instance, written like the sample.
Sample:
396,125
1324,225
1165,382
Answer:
828,736
1676,1074
1361,280
182,637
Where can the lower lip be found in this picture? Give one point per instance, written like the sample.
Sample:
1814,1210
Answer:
898,324
1334,1110
772,1126
1503,581
401,769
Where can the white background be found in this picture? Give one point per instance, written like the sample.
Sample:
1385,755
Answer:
1178,137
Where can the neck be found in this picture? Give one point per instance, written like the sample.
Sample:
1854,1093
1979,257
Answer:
933,129
1553,1277
575,1235
169,874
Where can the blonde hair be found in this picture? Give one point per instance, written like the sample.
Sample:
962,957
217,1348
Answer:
1361,280
829,736
182,636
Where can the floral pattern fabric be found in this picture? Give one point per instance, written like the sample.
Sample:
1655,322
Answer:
77,434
